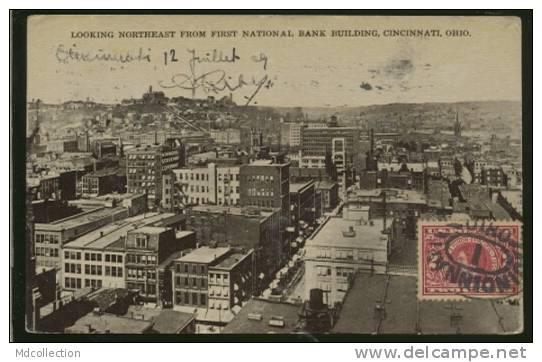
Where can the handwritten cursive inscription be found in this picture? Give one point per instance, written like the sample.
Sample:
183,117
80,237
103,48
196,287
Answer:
72,54
218,80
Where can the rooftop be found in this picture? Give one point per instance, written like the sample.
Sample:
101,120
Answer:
325,184
204,255
264,316
240,211
85,217
366,236
299,186
103,172
392,195
231,261
165,321
109,323
109,235
476,316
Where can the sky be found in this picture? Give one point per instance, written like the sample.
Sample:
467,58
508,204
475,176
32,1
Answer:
292,71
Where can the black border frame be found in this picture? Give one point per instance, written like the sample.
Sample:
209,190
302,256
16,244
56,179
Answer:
18,44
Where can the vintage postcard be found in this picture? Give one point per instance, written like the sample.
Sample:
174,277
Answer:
256,174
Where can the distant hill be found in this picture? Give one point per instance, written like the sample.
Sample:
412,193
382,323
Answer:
501,117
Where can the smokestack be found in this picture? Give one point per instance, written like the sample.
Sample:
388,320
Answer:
372,142
385,210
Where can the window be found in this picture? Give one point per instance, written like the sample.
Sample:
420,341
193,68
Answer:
119,258
203,283
202,299
87,256
141,241
186,298
107,258
186,268
107,271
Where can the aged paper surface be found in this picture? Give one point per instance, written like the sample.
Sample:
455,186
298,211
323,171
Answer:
255,174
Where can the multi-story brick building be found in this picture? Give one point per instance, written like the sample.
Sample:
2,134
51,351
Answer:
191,278
210,185
303,204
146,248
50,237
98,258
494,176
101,182
213,279
266,184
249,228
342,142
145,167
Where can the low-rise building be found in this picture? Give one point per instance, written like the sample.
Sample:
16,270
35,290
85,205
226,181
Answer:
102,182
249,228
98,258
341,247
50,237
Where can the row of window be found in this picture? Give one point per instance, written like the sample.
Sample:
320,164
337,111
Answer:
75,283
190,268
196,176
113,271
140,273
267,192
191,282
141,157
265,178
218,278
47,238
72,255
53,252
186,298
72,268
140,259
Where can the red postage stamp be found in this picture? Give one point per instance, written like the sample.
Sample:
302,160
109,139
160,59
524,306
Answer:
459,261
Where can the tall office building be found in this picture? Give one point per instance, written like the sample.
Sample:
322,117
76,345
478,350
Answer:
146,165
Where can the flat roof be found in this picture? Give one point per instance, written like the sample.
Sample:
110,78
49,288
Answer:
165,321
402,315
110,323
268,311
231,261
392,195
230,210
204,255
84,217
325,184
367,236
110,234
298,186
